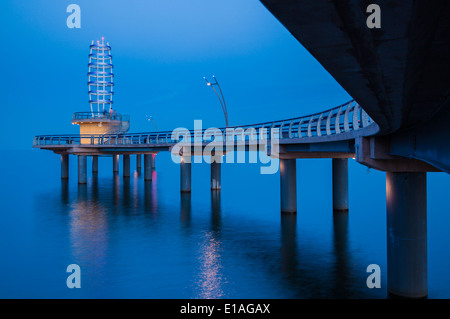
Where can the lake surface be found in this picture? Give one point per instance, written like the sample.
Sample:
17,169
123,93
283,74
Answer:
137,239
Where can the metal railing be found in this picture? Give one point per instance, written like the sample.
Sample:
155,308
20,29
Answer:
348,117
97,115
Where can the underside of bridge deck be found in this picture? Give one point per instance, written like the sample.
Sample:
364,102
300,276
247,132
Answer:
398,73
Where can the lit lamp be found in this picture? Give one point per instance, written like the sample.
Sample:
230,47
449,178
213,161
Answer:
221,100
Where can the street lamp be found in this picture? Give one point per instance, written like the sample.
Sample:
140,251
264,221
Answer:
221,100
150,119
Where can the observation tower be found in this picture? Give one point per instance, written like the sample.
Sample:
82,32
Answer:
102,117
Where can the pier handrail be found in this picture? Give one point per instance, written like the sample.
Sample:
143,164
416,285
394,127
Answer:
344,118
97,115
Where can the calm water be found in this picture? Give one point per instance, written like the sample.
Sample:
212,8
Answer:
137,239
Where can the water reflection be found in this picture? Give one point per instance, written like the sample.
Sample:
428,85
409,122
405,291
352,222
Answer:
93,186
342,273
211,281
215,212
289,254
150,197
185,209
274,253
116,192
88,229
65,192
126,203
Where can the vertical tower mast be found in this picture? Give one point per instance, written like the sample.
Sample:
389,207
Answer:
100,77
100,82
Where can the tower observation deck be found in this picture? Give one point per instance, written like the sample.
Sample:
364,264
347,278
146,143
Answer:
102,118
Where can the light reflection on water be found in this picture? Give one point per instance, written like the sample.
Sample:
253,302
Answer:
88,228
124,233
143,239
211,278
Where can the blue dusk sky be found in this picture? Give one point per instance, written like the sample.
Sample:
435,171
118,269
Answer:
161,51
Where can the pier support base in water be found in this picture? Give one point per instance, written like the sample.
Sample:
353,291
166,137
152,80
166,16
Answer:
185,175
288,186
126,165
148,167
340,184
115,163
406,208
64,166
82,169
138,161
215,176
94,164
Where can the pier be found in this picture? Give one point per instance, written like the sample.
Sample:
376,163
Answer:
397,123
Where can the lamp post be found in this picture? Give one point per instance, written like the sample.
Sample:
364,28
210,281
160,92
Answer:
221,100
150,119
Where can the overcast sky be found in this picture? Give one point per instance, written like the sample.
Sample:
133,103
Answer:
161,51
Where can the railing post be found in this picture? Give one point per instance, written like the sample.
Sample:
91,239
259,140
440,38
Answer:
364,118
290,129
300,128
337,122
346,123
319,125
281,130
355,121
310,126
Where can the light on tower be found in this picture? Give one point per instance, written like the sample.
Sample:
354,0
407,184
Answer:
100,77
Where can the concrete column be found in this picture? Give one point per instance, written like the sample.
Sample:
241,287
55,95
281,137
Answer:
215,176
116,163
138,161
94,164
82,169
148,170
126,165
64,166
406,224
154,161
340,184
288,186
185,173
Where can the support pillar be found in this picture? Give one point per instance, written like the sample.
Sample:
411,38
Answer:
126,165
288,186
215,176
185,173
148,170
115,163
64,166
340,184
82,169
94,164
154,161
138,161
406,210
